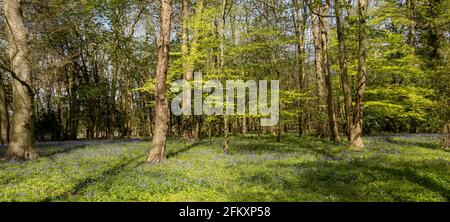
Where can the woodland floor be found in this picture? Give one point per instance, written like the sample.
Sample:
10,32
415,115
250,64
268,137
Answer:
391,168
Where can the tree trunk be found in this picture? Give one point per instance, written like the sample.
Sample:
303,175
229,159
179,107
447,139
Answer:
157,153
189,63
327,73
413,25
185,40
343,69
74,106
321,126
244,125
300,27
189,69
112,98
356,141
222,68
446,132
21,146
4,115
187,121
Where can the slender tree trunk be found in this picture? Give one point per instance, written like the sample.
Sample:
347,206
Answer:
21,146
112,99
300,27
197,121
189,74
327,73
185,38
244,125
190,122
356,141
187,122
74,112
446,133
412,26
343,69
321,126
222,68
157,153
4,116
446,130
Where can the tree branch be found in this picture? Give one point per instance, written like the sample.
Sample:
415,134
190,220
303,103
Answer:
13,74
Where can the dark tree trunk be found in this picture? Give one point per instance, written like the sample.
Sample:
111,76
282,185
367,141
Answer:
300,27
4,116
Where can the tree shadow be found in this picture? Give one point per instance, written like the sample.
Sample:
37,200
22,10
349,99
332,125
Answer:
174,153
52,153
326,148
88,181
261,144
414,177
50,149
344,181
424,144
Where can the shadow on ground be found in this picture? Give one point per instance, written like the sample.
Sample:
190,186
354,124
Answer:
342,176
49,149
404,142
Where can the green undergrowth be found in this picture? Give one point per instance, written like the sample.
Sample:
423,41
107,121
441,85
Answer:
257,169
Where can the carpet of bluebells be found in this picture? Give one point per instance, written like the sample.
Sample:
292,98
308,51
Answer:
391,168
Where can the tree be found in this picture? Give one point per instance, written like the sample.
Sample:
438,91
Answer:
434,51
328,75
4,115
320,83
21,146
157,152
343,68
446,132
97,52
300,20
187,67
222,69
356,141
